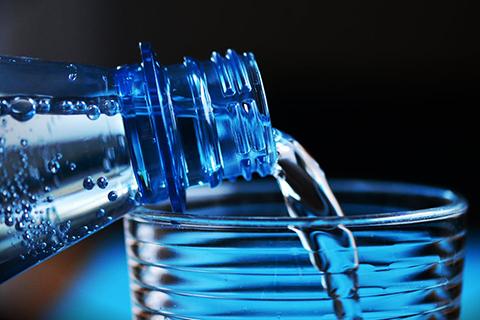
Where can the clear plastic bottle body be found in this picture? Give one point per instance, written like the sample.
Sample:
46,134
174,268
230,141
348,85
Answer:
80,146
65,170
63,177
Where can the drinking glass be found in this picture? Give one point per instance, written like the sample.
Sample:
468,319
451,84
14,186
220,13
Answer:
234,254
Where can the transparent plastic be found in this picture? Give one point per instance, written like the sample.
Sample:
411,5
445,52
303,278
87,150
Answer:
80,145
235,254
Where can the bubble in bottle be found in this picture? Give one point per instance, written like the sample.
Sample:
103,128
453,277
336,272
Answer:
81,105
53,166
110,107
102,182
4,107
20,225
88,183
9,220
112,196
23,109
67,106
43,106
101,213
72,72
93,112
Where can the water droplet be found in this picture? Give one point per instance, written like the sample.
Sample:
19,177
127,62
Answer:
93,112
102,182
26,217
67,106
110,107
33,198
19,225
46,189
81,106
50,199
53,166
72,72
2,141
24,142
101,213
23,109
26,236
43,106
59,156
26,206
4,107
112,196
72,166
9,221
88,183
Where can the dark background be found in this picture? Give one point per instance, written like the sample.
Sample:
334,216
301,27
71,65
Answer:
374,89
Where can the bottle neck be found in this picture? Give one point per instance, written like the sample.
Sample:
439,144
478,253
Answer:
194,123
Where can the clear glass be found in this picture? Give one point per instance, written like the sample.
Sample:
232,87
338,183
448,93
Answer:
234,255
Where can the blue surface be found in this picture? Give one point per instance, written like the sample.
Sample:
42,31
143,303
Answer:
101,290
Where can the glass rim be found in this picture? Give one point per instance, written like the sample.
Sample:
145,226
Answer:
455,205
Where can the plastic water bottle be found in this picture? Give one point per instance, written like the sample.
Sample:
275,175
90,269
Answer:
80,146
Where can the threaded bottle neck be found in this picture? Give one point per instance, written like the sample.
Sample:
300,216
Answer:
195,123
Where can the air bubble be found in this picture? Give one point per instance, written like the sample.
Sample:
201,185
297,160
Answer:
80,106
26,217
9,221
43,106
72,166
112,196
50,199
33,198
101,213
72,72
88,183
67,106
24,143
47,189
93,112
53,166
4,107
102,182
111,107
20,225
23,109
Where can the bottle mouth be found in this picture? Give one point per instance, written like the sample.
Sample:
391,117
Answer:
195,123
